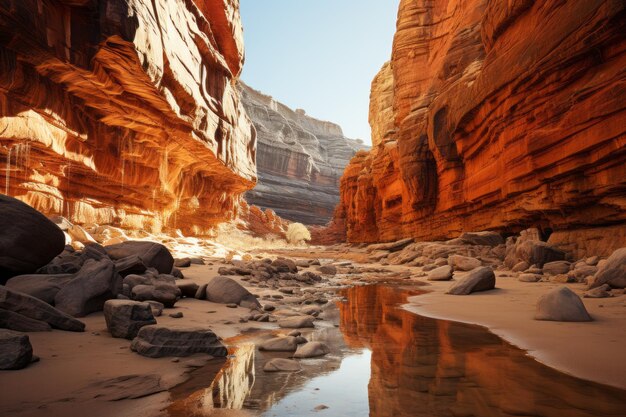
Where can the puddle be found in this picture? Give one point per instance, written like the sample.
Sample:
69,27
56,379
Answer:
386,361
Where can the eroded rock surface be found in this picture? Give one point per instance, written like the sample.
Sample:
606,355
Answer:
125,112
300,160
496,115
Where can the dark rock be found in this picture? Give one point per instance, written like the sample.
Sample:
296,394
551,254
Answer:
15,321
44,287
538,253
479,279
201,292
95,283
29,240
156,307
327,269
152,254
177,273
613,271
285,265
182,263
561,304
16,351
38,310
125,318
163,292
225,290
160,341
132,264
188,289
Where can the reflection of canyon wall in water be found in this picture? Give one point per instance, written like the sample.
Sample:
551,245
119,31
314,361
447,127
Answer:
425,367
124,111
496,114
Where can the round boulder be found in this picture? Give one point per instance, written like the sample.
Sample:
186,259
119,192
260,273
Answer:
561,304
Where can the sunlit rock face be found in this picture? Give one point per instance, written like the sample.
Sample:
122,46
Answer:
300,160
125,111
494,115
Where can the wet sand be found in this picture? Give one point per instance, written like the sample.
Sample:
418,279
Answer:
592,350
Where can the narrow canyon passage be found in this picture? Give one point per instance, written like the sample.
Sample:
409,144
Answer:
373,208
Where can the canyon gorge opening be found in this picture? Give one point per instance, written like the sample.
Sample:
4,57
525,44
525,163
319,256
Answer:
189,227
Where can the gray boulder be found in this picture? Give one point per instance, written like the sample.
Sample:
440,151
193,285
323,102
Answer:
311,350
44,287
124,318
15,350
96,282
16,321
479,279
561,304
443,273
296,322
163,292
36,309
280,344
613,271
282,365
158,341
463,263
28,240
225,290
152,254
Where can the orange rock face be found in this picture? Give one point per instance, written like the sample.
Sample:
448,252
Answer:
125,112
500,115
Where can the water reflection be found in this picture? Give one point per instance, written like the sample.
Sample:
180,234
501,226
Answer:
386,361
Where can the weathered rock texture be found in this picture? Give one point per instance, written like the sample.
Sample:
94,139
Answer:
124,111
300,160
494,115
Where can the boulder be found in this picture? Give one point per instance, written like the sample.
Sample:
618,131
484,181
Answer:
156,307
561,304
285,265
463,263
15,321
311,350
225,290
520,266
613,271
538,253
124,318
96,282
42,286
182,262
529,277
28,240
280,344
188,289
479,279
599,292
132,264
556,267
328,269
159,341
296,322
482,238
282,365
443,273
16,351
163,292
36,309
201,292
152,254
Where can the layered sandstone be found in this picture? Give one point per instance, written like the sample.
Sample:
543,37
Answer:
504,115
300,160
125,111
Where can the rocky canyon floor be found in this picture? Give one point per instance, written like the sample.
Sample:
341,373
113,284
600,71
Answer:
391,342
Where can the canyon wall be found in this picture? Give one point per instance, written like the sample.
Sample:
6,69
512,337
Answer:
299,160
495,115
125,111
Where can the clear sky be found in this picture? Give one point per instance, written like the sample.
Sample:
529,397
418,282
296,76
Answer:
319,55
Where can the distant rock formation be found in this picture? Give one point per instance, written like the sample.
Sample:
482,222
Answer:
299,160
125,111
496,115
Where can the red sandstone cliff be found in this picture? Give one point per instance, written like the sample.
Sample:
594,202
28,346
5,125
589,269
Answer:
495,115
125,111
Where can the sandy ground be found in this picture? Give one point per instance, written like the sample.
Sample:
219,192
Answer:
592,350
78,371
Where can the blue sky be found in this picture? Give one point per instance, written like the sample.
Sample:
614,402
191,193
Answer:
319,55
